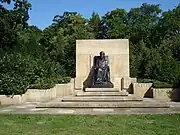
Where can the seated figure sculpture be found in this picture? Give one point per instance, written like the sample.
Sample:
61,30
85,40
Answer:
101,74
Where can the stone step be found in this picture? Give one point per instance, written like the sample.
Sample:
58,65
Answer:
104,105
121,93
102,90
102,99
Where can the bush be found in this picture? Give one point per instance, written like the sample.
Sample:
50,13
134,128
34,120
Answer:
145,80
13,84
13,78
47,85
156,83
41,86
18,72
66,79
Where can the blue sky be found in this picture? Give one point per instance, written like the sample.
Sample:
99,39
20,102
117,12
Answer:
43,11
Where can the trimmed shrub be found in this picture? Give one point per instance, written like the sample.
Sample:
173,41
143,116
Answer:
19,72
50,84
156,83
41,86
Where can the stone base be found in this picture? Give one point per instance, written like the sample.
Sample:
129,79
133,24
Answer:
102,90
104,85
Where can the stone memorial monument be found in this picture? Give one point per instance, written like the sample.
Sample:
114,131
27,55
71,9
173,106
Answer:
114,67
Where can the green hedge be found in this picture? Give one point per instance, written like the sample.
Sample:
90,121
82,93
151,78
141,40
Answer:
50,84
41,86
18,73
156,83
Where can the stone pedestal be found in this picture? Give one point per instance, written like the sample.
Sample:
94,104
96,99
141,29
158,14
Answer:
104,85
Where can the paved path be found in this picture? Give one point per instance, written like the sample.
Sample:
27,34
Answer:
30,108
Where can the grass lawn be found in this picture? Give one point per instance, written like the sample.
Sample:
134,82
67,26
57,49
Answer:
90,125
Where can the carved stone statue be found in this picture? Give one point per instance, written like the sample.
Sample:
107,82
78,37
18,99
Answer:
101,76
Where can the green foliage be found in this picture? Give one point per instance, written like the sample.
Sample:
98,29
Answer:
156,83
31,58
66,80
95,24
49,83
18,72
60,38
13,77
41,86
10,19
114,23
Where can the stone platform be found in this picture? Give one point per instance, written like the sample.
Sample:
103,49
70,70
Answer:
103,105
30,108
102,98
101,93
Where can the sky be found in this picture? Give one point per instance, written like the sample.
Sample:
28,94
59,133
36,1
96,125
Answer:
43,11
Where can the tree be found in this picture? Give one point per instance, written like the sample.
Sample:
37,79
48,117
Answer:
60,38
170,22
114,24
10,19
96,25
142,23
28,41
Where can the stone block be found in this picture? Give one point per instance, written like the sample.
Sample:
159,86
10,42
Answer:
16,99
126,83
141,89
162,94
64,90
79,83
117,82
102,90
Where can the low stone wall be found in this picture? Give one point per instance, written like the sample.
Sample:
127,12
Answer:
169,94
37,95
162,94
142,89
4,100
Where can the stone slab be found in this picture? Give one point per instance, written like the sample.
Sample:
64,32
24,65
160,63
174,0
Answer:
37,109
65,111
6,110
102,99
102,90
174,109
103,110
121,93
104,105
